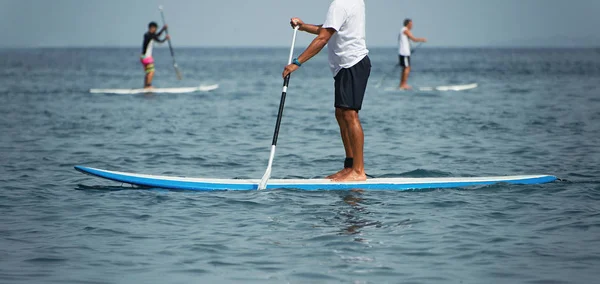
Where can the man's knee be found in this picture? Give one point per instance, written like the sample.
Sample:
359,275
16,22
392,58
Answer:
348,114
339,113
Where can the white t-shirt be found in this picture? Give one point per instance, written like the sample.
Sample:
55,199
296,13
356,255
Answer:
403,43
348,45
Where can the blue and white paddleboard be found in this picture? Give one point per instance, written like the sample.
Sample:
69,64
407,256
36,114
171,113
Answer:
203,184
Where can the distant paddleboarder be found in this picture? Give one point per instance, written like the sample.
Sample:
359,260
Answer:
149,38
344,31
404,51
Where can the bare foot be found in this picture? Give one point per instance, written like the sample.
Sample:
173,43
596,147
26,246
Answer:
352,176
338,174
405,87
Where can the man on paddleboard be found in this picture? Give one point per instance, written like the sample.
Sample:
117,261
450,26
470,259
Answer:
149,38
344,32
404,52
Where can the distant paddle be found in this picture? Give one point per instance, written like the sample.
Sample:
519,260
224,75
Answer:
265,179
162,14
416,47
396,66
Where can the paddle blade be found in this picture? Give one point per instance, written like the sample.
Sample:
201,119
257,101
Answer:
178,73
265,179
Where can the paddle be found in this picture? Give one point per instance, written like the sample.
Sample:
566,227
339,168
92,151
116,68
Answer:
162,14
265,179
396,66
416,47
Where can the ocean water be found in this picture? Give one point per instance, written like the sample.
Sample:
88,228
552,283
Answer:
536,111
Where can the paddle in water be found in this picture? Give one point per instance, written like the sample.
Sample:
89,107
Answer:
265,179
177,72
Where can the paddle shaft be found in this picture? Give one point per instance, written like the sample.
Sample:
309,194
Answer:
162,15
415,49
286,81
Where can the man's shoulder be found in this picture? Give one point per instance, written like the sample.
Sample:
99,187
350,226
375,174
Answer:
337,4
348,6
345,4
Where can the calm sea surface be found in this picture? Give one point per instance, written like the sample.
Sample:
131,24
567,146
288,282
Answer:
536,111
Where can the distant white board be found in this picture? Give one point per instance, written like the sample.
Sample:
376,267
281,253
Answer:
202,88
456,88
451,88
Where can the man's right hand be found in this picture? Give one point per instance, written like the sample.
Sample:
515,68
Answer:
296,22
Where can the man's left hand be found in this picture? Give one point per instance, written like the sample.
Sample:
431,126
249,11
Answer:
290,69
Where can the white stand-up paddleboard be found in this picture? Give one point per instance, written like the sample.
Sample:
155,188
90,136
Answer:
456,88
202,88
399,184
451,88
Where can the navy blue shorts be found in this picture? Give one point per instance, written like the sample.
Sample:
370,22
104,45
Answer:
351,84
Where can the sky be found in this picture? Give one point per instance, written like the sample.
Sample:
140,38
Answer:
264,23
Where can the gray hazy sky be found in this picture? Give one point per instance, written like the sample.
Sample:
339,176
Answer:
37,23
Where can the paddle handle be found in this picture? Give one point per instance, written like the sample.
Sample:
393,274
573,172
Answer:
177,72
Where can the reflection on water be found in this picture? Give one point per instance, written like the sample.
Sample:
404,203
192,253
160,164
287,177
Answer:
353,218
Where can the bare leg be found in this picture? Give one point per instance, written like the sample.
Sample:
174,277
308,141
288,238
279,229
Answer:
357,141
148,80
404,80
339,116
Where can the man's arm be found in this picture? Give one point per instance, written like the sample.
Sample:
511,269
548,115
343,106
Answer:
313,49
317,44
156,38
162,30
411,37
311,29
